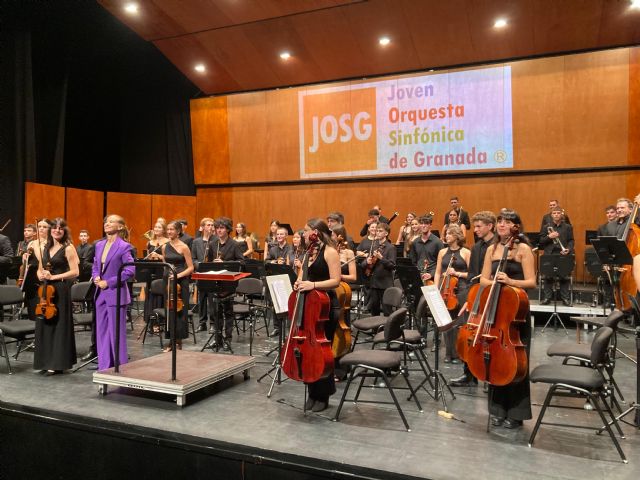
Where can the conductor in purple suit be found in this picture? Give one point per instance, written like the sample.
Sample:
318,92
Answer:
110,254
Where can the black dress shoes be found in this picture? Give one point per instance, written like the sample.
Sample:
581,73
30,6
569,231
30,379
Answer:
497,421
463,381
511,423
275,333
202,327
566,302
546,301
88,356
319,406
309,403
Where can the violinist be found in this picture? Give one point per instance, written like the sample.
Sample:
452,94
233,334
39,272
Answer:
557,238
323,274
484,224
199,253
381,263
280,251
176,252
424,249
511,404
347,257
54,338
225,249
110,254
30,282
453,262
29,234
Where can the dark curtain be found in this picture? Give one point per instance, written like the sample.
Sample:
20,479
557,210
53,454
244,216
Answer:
86,103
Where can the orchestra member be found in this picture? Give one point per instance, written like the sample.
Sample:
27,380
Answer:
244,240
365,248
453,260
546,219
381,263
31,282
270,239
556,238
424,250
199,254
297,251
636,261
347,262
6,254
463,216
454,219
110,254
624,206
54,338
337,218
158,238
374,217
184,236
484,223
224,249
85,251
176,252
29,233
406,231
323,274
279,252
608,229
511,404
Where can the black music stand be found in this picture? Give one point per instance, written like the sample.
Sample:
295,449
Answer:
280,269
220,291
411,282
556,266
288,227
612,252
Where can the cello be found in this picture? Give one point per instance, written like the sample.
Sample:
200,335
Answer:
490,341
307,356
342,336
627,284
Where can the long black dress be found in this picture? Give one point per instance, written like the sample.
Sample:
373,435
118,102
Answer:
55,340
177,260
318,271
514,400
459,265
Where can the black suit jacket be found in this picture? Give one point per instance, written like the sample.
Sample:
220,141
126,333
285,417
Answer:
382,273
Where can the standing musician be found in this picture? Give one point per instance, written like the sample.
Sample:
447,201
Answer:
415,233
323,274
184,236
280,251
54,338
347,257
462,214
6,253
623,209
29,235
85,251
176,252
110,254
557,238
374,217
424,250
381,263
31,281
546,218
484,224
511,404
225,249
406,231
296,252
454,219
244,240
199,254
365,248
608,228
158,238
453,261
636,262
270,239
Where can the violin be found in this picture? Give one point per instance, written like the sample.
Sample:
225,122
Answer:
627,286
490,340
342,336
306,355
46,308
171,300
449,287
425,268
372,255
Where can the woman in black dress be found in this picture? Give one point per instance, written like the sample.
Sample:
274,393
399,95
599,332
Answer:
54,339
323,274
176,252
511,404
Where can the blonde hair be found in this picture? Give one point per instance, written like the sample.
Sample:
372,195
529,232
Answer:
456,231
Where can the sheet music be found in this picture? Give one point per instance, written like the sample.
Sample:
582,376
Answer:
280,289
436,306
219,272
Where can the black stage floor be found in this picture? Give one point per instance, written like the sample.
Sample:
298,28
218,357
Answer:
368,440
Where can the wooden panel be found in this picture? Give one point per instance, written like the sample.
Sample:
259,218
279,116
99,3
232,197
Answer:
634,106
175,207
43,201
584,196
136,210
85,211
212,150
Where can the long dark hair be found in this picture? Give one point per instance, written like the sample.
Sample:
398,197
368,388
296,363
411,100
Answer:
512,216
59,222
323,231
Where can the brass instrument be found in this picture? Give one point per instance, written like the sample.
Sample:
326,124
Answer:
557,239
148,235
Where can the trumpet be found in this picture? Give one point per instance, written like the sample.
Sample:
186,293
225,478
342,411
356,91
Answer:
557,239
148,235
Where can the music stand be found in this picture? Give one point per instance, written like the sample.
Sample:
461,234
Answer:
280,269
411,282
556,266
613,252
220,290
288,227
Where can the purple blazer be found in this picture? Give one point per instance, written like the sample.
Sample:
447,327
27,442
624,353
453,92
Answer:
119,253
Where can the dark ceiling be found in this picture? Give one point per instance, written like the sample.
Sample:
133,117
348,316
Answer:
239,41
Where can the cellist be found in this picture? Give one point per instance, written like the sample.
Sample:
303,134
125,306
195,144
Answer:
636,261
453,262
323,274
511,404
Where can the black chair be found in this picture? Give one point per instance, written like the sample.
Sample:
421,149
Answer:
384,364
581,382
581,352
158,317
20,331
245,310
392,297
79,295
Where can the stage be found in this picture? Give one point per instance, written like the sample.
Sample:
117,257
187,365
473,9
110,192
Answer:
232,430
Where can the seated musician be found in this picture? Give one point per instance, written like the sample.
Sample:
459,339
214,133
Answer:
556,238
509,405
381,263
424,249
453,261
224,249
279,252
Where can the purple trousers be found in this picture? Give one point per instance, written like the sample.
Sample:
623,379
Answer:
106,333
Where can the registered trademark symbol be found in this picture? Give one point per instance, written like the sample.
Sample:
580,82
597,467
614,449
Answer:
500,156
